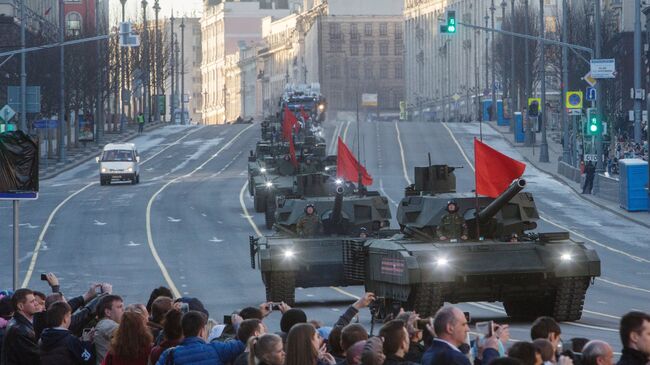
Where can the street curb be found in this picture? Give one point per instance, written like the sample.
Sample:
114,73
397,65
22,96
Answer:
81,161
575,191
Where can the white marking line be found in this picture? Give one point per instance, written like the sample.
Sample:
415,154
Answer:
337,132
623,285
401,152
246,214
152,247
32,263
381,188
633,257
345,132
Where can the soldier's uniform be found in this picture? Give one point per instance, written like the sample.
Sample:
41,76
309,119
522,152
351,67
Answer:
308,168
452,226
308,225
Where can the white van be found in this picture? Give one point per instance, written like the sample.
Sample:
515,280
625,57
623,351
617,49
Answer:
119,161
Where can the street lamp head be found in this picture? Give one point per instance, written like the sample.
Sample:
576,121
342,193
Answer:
123,2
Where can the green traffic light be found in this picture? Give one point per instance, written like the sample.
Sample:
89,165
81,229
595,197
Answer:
593,128
451,29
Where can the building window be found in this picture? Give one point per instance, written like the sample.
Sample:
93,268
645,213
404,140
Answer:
383,48
383,29
367,30
354,71
383,69
354,49
399,71
354,32
368,48
399,34
335,31
399,48
73,24
335,46
368,71
335,71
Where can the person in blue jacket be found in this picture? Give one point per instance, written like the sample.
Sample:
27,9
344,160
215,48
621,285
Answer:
195,350
450,329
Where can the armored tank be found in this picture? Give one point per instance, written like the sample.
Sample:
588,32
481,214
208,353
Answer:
533,274
288,260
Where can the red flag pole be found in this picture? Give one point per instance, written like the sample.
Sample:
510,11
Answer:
476,203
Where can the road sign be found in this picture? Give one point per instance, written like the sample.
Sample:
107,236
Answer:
591,94
591,157
603,68
573,100
589,79
366,100
45,123
576,112
455,97
6,113
32,94
535,100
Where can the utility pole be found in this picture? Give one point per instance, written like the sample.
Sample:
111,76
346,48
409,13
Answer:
512,67
61,139
23,71
99,126
122,73
566,153
637,69
530,135
183,70
487,47
172,102
477,81
146,103
504,84
493,108
177,68
156,75
543,147
646,12
598,139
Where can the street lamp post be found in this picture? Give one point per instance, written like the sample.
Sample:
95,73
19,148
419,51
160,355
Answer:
487,42
183,70
122,72
543,147
156,64
493,108
145,63
504,84
566,153
61,139
172,102
23,71
512,66
530,135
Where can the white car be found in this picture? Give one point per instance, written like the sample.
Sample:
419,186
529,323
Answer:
119,161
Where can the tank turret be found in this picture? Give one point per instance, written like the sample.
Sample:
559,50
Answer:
433,179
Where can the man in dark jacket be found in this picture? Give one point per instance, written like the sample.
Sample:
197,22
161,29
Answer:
396,343
450,329
19,346
635,336
590,173
58,346
194,349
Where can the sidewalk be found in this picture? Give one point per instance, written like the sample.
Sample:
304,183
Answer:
531,154
76,156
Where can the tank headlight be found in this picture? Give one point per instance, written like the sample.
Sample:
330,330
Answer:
321,107
442,261
566,257
288,254
269,184
338,181
263,170
104,169
327,168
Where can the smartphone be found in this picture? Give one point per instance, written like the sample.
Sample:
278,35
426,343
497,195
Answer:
185,307
468,317
227,320
85,334
485,328
44,277
422,323
275,306
99,290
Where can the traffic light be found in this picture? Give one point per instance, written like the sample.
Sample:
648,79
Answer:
594,124
451,25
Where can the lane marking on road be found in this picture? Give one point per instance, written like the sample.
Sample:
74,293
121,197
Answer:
152,246
623,285
401,152
247,215
381,189
337,132
621,252
345,132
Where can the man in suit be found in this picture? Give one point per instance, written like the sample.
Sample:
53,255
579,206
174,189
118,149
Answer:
450,329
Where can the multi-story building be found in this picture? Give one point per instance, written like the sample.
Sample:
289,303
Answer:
241,82
225,26
80,18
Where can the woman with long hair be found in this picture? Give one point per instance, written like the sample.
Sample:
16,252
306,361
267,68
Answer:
306,347
266,350
131,343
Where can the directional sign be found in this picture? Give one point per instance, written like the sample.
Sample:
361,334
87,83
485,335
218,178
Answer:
455,97
591,94
6,113
22,195
45,124
603,68
573,100
590,80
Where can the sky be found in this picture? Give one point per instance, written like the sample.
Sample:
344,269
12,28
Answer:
134,8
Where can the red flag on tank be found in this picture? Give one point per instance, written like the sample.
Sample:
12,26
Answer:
494,170
348,167
292,150
288,123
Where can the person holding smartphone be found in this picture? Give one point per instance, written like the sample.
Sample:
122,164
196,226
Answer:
60,347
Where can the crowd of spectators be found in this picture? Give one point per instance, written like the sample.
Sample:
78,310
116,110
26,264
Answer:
98,328
624,148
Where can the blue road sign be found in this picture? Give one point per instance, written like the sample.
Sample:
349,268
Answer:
591,94
45,123
23,195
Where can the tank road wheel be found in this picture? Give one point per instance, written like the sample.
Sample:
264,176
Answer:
259,202
426,299
269,213
280,287
569,298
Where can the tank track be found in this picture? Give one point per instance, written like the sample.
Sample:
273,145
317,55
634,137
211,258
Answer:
570,298
251,186
269,213
281,287
426,299
259,203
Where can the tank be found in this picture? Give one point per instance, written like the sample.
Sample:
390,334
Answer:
502,259
287,260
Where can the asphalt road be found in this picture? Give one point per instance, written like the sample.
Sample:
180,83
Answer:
187,224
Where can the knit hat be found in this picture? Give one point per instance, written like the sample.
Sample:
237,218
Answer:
6,309
292,317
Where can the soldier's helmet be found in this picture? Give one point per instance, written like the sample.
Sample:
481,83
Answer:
313,209
452,207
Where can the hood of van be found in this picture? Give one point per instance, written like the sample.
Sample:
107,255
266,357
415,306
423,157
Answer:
117,166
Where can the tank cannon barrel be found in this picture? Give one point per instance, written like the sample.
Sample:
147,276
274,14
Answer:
503,199
338,206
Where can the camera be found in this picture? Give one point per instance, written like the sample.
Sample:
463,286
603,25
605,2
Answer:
44,277
227,320
421,324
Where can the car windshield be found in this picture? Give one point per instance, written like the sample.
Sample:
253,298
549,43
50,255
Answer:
117,155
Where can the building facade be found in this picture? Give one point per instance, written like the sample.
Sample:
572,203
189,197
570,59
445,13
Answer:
226,26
